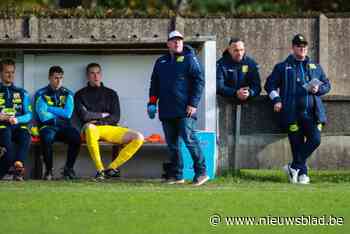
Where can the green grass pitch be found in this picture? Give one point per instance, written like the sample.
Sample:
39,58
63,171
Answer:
131,206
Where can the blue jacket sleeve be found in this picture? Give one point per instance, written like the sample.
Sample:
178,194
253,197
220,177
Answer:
326,86
221,88
154,87
255,84
27,110
65,112
41,110
273,84
197,78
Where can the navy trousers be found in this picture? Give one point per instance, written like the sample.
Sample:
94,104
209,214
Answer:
14,146
68,135
304,142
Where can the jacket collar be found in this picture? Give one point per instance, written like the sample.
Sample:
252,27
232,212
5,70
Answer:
53,90
94,87
292,60
228,58
187,50
10,86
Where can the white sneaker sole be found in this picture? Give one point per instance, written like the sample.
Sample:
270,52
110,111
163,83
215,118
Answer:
199,183
290,177
304,182
176,182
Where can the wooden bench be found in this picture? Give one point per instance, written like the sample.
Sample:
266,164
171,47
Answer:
37,171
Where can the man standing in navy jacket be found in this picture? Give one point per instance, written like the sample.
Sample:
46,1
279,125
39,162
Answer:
295,86
177,84
237,75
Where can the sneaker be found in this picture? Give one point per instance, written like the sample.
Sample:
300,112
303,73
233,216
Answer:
174,181
291,173
19,171
112,173
69,174
201,180
100,176
48,175
303,179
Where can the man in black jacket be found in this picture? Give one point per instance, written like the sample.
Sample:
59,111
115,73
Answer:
98,109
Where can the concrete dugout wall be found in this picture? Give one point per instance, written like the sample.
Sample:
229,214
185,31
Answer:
127,54
267,40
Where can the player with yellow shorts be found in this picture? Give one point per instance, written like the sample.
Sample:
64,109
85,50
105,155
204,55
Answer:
98,109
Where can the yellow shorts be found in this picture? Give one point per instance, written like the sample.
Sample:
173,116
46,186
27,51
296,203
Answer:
109,133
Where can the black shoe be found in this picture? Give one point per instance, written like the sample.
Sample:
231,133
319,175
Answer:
112,173
69,174
100,176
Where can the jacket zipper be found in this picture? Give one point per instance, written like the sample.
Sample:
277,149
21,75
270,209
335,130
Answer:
56,103
304,80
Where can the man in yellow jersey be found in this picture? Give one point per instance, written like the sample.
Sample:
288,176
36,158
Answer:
98,109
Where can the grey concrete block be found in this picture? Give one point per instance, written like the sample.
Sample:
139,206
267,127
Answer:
98,31
339,50
270,151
